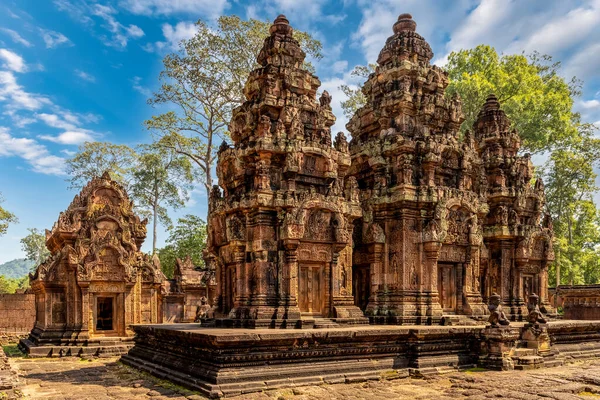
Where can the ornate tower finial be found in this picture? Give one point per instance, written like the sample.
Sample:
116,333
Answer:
281,25
491,103
405,23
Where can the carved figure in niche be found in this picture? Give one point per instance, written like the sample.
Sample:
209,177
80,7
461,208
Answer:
497,316
407,170
203,311
264,126
235,228
514,218
432,231
291,162
262,179
535,315
502,215
341,144
279,129
325,100
344,281
352,192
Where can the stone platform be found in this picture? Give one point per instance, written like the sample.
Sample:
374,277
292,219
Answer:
225,362
35,346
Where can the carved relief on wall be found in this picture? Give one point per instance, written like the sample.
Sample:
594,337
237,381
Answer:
451,253
315,252
319,225
106,287
458,226
235,228
107,267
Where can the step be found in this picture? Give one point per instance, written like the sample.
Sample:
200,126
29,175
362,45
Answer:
521,352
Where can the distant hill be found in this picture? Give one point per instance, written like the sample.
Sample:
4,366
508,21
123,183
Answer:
16,268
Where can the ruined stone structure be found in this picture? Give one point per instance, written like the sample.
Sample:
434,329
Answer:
280,234
96,282
409,223
447,220
437,222
577,301
185,293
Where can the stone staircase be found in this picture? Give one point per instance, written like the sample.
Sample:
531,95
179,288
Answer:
317,323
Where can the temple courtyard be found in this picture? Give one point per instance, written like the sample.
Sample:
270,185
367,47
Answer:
107,378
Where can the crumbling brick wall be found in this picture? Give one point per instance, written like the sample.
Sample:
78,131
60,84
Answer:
17,316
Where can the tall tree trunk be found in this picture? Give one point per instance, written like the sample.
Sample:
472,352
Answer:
155,218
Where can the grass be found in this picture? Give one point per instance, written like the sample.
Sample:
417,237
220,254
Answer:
12,350
475,370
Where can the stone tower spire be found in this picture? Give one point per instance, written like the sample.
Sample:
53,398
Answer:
284,196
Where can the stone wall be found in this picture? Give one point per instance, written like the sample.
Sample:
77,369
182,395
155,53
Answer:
578,301
17,316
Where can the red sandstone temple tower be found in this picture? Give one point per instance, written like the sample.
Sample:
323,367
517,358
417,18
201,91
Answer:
517,231
280,234
447,220
96,282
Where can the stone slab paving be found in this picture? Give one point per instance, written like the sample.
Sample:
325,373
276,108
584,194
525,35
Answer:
73,378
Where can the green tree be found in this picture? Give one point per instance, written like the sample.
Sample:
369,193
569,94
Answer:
355,98
161,178
570,187
188,237
34,246
10,285
204,81
94,158
6,218
537,100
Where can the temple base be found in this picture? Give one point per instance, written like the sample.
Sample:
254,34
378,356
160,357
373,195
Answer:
227,362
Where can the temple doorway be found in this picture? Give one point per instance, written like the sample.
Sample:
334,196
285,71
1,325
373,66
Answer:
311,289
447,286
529,285
230,277
105,314
361,282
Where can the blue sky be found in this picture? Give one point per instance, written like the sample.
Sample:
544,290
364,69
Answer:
73,70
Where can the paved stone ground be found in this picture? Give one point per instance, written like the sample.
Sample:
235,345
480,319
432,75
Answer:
101,379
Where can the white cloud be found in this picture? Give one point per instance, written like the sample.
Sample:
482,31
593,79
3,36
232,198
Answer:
70,137
589,104
584,63
339,66
70,153
14,35
562,31
32,152
136,81
17,98
210,8
120,33
173,35
55,121
85,76
76,11
12,61
54,39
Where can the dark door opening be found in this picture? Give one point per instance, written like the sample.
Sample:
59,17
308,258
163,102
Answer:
104,314
361,282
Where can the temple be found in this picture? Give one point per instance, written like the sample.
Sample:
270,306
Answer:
96,282
280,234
409,222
